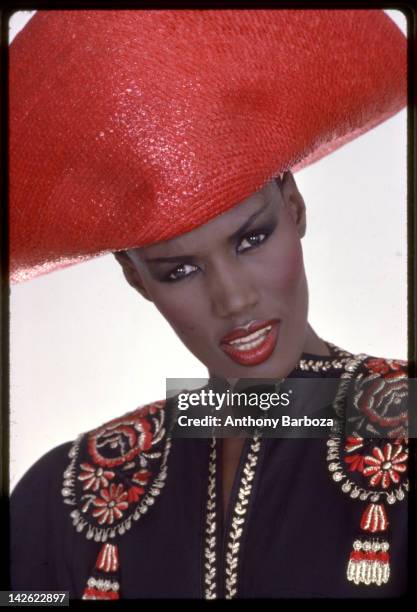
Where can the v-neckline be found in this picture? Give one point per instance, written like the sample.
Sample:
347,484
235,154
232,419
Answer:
226,511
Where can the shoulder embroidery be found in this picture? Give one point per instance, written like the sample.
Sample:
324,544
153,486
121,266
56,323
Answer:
371,462
380,397
116,471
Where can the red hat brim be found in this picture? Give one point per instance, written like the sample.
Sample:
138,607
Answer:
132,127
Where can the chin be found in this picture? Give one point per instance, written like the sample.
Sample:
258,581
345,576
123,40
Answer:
276,366
273,368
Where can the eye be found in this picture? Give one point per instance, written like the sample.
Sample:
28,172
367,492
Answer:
181,271
251,240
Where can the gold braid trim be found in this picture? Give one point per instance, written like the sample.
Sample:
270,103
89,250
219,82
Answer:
210,532
239,517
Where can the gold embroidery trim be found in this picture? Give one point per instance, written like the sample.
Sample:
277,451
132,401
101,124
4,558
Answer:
322,365
239,517
241,506
210,531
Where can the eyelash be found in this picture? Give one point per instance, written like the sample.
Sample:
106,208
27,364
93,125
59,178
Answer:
169,277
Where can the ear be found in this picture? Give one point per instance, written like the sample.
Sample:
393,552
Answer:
294,202
131,273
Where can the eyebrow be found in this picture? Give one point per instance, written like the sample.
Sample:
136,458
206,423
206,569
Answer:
190,258
243,228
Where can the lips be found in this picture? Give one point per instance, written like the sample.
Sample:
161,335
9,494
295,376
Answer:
252,344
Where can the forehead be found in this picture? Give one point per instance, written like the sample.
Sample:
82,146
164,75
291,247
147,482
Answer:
215,230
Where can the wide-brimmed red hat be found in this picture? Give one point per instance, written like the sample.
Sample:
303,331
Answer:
129,127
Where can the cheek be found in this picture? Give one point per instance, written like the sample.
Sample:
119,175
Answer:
181,310
289,271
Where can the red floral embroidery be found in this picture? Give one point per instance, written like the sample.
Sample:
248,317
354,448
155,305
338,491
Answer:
115,473
357,463
94,478
111,504
120,441
385,466
141,477
385,366
386,386
353,444
134,494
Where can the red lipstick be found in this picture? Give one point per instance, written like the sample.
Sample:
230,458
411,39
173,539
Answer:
252,344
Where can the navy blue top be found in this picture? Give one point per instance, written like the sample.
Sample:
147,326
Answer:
295,539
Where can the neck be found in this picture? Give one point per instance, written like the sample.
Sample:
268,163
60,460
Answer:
315,345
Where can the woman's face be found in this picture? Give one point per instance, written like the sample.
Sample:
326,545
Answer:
234,290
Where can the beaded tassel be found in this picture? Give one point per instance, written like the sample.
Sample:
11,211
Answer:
103,582
369,559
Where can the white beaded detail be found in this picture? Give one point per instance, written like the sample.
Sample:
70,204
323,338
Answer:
366,567
210,530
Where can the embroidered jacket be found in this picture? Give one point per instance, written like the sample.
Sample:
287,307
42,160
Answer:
129,511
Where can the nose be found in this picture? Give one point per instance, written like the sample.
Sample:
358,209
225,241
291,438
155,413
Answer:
232,290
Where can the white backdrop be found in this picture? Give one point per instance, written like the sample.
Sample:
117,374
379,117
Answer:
85,347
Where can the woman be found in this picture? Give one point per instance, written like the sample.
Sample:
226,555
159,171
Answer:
205,234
